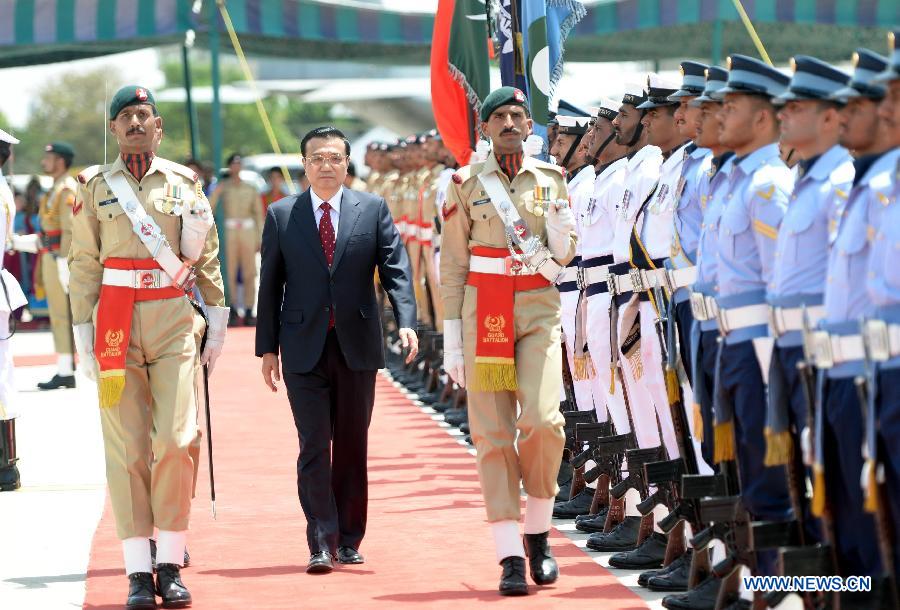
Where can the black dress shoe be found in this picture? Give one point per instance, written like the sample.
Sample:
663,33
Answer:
579,505
456,417
320,563
347,554
674,577
464,428
249,320
541,563
622,538
170,588
702,597
650,554
186,562
644,578
9,478
512,581
57,381
141,594
592,523
564,480
232,318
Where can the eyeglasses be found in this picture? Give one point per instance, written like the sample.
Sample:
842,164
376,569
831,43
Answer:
319,160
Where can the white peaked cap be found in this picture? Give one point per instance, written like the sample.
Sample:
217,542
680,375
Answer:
634,89
655,81
5,137
572,121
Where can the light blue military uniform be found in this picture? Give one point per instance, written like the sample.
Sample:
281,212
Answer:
840,429
758,191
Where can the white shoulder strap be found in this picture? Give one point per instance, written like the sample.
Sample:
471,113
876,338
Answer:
148,231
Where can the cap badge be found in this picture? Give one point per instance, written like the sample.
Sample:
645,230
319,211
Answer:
518,95
141,94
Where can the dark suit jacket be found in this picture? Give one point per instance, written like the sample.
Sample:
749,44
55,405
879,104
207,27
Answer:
298,291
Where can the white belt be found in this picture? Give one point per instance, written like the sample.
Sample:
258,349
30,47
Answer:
829,350
737,318
239,223
882,339
137,278
426,233
637,280
595,275
569,274
703,307
547,267
786,319
681,278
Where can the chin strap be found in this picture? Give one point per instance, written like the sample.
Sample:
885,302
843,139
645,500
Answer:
638,131
572,148
596,158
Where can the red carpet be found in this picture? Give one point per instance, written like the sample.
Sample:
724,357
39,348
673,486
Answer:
427,546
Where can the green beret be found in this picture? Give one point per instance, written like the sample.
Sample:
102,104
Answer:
63,149
129,95
502,97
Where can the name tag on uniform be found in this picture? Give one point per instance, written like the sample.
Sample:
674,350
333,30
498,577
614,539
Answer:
482,201
109,201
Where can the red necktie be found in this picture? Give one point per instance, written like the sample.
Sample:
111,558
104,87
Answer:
326,235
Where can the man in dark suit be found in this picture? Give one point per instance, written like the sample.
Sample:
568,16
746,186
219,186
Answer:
317,307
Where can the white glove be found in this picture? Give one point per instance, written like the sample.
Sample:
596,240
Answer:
533,146
482,150
560,226
806,446
196,221
25,243
454,363
62,267
84,345
215,335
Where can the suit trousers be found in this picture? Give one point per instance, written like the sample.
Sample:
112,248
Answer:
240,252
57,305
332,408
503,461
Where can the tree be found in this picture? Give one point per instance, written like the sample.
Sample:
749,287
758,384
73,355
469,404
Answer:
72,109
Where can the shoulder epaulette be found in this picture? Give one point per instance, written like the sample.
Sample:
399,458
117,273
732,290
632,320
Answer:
180,169
90,173
465,172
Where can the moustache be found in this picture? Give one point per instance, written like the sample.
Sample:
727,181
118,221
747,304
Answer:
136,130
512,130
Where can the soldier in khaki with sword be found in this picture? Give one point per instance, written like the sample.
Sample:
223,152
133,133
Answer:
508,233
142,237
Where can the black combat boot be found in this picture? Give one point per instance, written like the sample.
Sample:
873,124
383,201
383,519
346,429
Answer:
249,319
683,561
57,381
170,588
592,523
579,505
512,581
140,592
622,538
701,597
650,554
541,563
672,578
9,473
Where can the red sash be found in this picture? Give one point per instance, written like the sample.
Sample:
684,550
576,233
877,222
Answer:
113,330
495,350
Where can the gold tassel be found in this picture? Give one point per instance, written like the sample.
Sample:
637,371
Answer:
672,386
779,447
818,500
495,377
698,422
110,386
584,367
723,442
871,491
612,379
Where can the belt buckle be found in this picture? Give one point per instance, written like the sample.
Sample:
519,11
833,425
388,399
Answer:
823,354
637,280
579,278
145,279
774,328
698,306
877,340
611,284
721,319
513,266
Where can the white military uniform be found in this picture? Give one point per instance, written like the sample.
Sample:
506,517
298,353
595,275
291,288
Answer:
11,298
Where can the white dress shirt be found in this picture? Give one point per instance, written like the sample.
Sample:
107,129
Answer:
334,202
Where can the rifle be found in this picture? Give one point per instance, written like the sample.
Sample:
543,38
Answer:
588,435
608,455
876,495
568,382
636,459
573,418
666,476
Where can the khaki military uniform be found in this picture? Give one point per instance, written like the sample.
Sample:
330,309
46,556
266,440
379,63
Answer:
470,220
56,236
412,206
148,434
243,216
427,239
